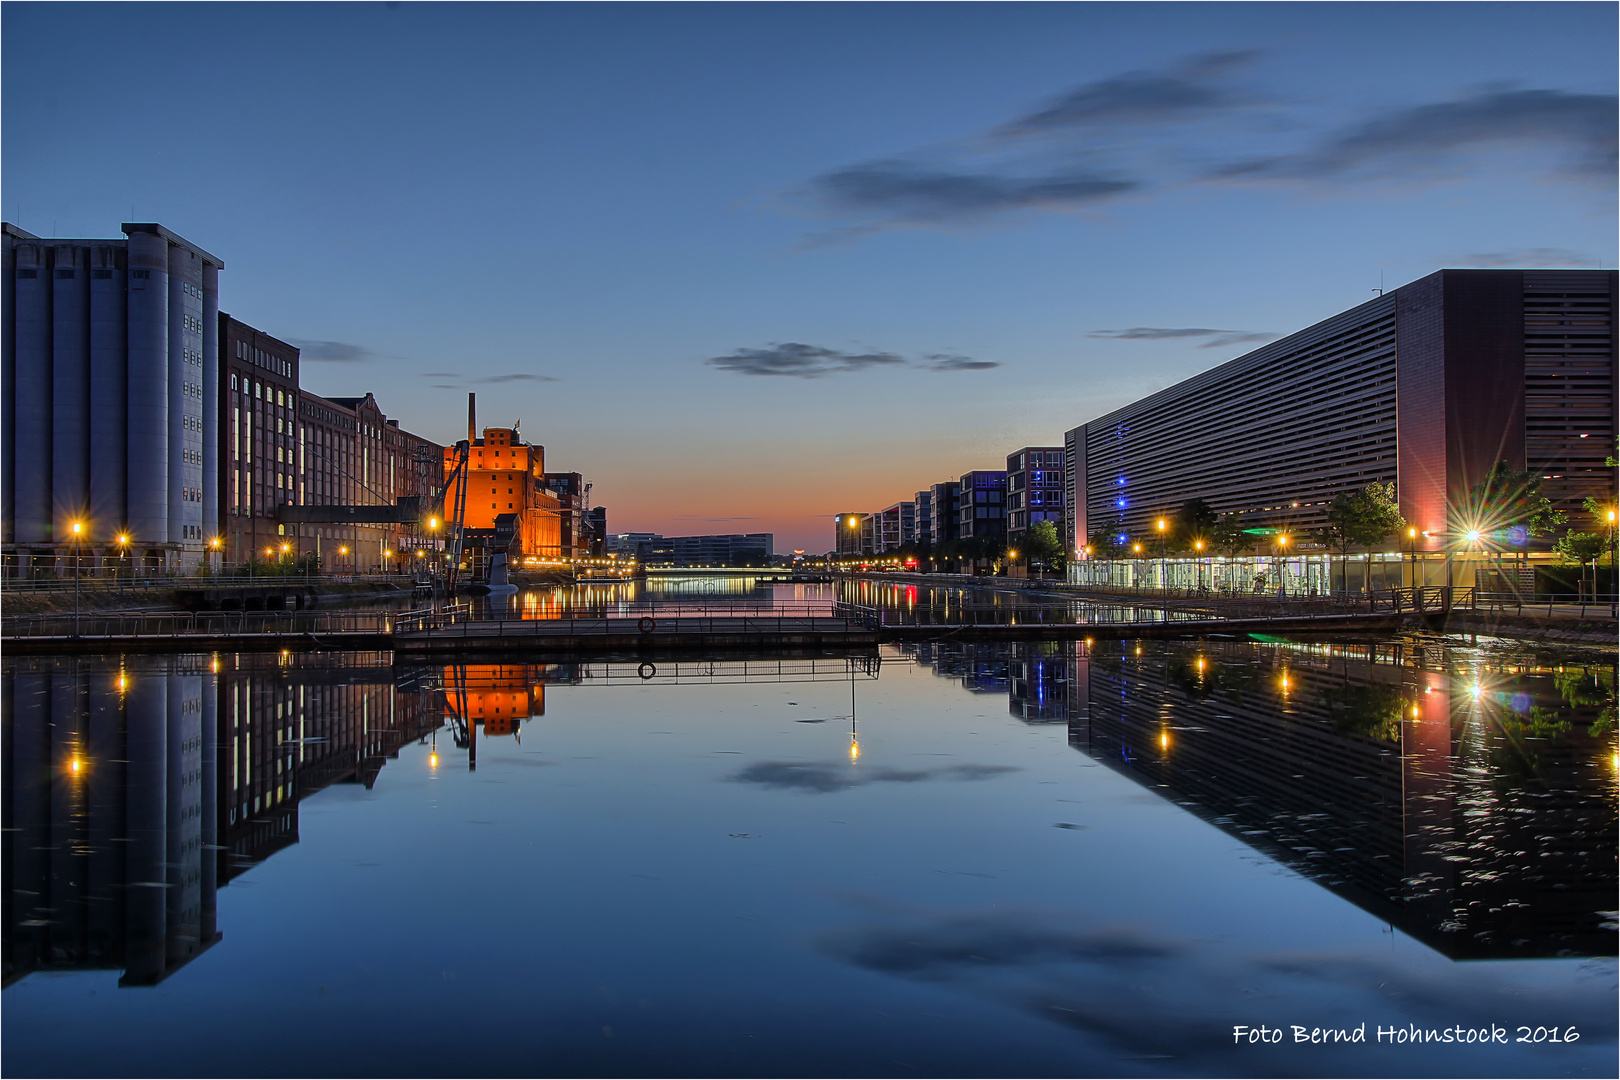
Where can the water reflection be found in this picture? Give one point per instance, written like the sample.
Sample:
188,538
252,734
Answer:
1468,801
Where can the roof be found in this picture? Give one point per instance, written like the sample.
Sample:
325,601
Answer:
152,227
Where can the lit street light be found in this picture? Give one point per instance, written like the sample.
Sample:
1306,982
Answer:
77,529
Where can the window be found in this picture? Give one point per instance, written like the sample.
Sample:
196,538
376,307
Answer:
27,274
101,275
258,390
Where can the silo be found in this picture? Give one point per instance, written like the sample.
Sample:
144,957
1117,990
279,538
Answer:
212,361
148,454
30,403
70,394
109,390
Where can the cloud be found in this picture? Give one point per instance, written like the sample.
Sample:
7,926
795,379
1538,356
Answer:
1216,338
515,377
957,362
1583,125
1144,97
1528,257
1146,131
820,778
340,352
521,376
802,361
904,192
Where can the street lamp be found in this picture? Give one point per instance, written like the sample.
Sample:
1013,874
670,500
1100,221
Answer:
123,550
1411,537
1282,567
1198,546
213,547
77,529
1162,568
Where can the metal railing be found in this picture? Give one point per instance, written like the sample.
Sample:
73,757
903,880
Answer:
194,624
407,622
221,581
1552,604
644,619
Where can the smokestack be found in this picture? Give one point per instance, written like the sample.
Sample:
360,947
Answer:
472,419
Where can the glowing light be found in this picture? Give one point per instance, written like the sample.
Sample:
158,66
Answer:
73,765
1475,691
854,750
123,538
1161,525
284,548
433,523
1012,553
1199,544
1416,712
1164,740
433,761
123,681
1200,663
1412,533
286,652
1282,541
76,528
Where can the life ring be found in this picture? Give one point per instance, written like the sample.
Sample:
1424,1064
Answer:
646,624
646,670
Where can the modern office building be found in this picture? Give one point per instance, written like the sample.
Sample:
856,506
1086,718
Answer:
596,527
728,549
1035,483
923,501
847,534
1426,386
944,509
111,402
982,506
897,527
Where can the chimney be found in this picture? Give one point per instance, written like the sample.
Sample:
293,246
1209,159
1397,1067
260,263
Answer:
472,419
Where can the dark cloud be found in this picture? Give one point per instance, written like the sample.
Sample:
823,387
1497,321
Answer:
799,361
1583,125
904,192
521,376
1214,338
1143,97
340,352
957,362
802,361
1528,257
822,778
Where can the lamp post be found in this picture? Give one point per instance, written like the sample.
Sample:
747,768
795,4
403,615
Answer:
1282,566
1198,546
1136,549
78,528
1614,571
123,551
1411,543
213,547
1162,568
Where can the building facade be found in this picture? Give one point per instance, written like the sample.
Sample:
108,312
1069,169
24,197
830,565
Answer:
897,527
506,476
111,401
982,505
944,508
258,445
1035,483
1425,387
923,501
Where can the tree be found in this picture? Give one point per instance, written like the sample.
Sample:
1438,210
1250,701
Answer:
1508,506
1193,522
1580,548
1378,517
1041,544
1361,519
1228,536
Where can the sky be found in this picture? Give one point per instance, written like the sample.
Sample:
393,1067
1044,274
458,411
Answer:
746,267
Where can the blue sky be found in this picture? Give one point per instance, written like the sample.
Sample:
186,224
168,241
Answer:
747,266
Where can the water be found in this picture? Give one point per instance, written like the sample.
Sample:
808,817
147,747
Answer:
955,859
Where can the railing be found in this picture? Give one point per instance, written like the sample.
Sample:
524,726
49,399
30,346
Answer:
660,618
1576,604
163,581
430,618
194,624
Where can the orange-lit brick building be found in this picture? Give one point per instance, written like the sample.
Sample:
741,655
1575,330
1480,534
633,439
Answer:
497,697
506,475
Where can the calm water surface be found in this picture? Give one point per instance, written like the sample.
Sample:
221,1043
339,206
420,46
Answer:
952,859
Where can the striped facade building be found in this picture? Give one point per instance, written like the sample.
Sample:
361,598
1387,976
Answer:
1426,387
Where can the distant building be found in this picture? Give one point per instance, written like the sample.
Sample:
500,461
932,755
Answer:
982,510
847,534
1035,483
596,523
731,549
944,507
897,527
626,545
924,502
573,536
506,476
111,401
